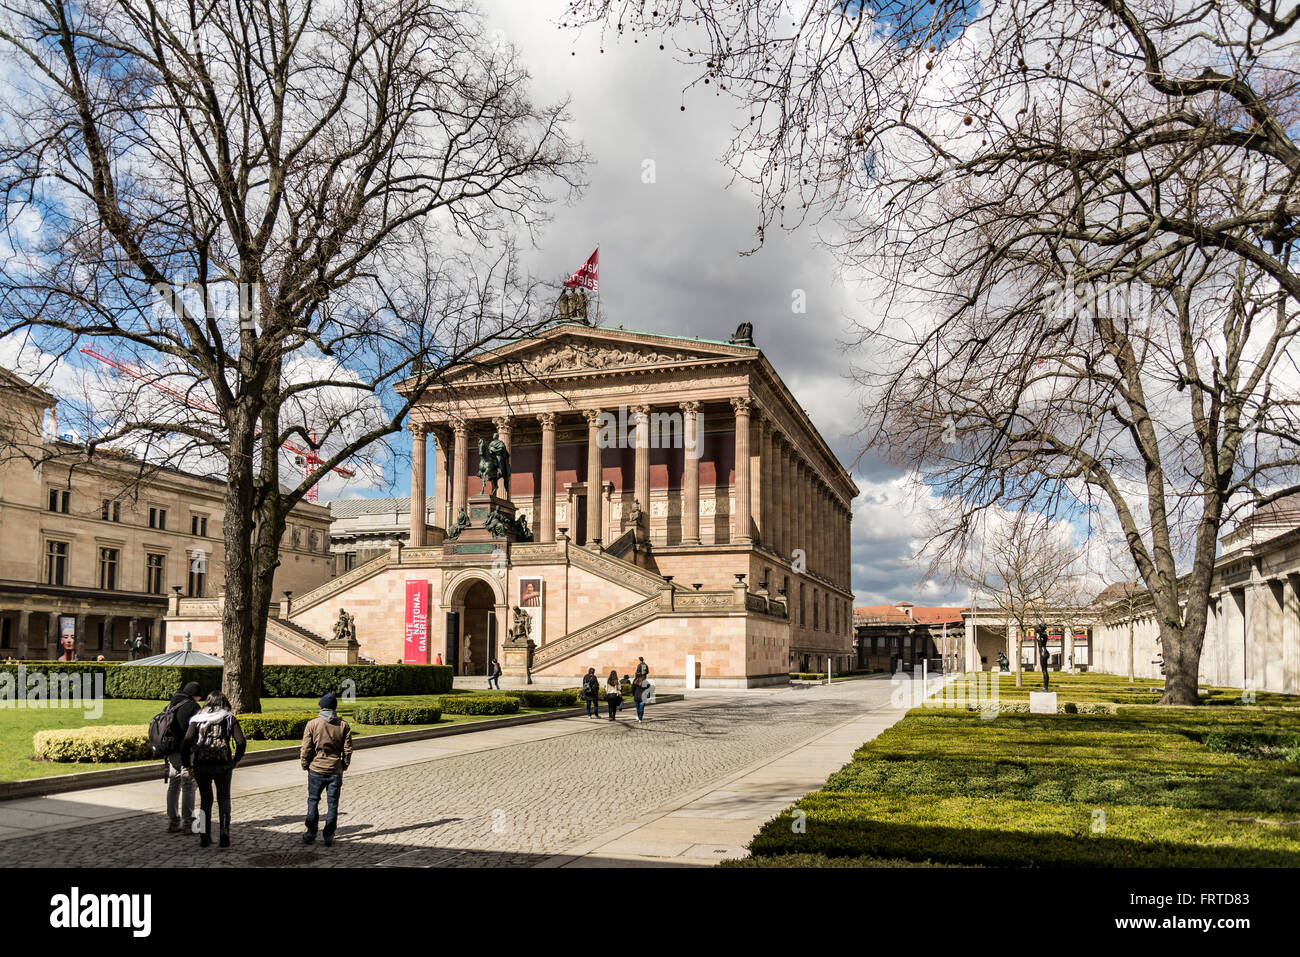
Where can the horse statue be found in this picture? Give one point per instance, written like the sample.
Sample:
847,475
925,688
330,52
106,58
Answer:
494,465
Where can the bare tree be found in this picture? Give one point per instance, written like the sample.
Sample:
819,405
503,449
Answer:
1029,571
1015,177
286,209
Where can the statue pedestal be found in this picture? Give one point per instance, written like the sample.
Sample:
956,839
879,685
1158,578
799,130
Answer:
1042,702
518,660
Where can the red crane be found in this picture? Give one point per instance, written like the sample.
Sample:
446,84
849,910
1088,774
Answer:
307,459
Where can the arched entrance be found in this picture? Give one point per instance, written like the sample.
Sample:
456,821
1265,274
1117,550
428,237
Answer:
474,613
478,629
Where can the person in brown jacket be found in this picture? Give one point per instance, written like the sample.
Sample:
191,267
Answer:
326,754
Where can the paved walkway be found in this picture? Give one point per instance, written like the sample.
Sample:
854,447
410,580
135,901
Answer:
689,786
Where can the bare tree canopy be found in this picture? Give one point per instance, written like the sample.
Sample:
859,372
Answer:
283,209
1079,220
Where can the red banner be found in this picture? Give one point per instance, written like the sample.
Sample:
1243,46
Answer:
585,276
417,622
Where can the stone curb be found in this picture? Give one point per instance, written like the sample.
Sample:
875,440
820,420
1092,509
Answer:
83,780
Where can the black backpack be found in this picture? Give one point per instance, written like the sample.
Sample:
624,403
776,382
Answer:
163,736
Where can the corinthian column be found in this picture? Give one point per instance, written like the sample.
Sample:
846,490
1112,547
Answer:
593,475
691,473
441,469
742,514
460,468
547,503
419,449
641,471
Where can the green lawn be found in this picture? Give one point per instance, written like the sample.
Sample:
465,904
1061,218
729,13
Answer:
1147,786
18,725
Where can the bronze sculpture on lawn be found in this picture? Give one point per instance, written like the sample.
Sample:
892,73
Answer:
1043,656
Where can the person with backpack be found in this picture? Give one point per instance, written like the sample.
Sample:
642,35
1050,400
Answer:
638,695
206,753
613,694
166,731
591,693
642,669
494,674
326,754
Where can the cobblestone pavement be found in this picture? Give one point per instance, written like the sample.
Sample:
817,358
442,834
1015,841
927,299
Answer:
512,806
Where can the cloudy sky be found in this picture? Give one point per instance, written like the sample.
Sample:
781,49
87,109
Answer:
670,255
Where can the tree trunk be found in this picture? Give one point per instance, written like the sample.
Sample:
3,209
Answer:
1182,653
239,681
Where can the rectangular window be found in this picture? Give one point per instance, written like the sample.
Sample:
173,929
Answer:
108,568
199,525
56,563
195,583
59,500
157,517
349,561
110,511
153,574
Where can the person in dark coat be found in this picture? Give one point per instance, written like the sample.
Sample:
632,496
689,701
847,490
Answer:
613,694
212,749
591,693
180,784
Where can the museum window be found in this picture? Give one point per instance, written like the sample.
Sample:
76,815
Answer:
195,588
199,525
157,517
153,573
56,563
110,511
108,568
58,501
349,561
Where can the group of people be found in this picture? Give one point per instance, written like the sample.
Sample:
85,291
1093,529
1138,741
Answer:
202,743
611,690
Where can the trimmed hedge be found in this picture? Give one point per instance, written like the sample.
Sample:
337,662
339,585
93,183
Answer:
479,704
371,681
544,699
274,725
386,714
160,682
120,742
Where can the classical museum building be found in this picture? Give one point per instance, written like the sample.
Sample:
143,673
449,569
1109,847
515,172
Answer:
667,498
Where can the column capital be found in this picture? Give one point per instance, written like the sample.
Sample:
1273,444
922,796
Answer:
742,404
642,409
689,406
546,419
460,427
592,415
502,423
420,428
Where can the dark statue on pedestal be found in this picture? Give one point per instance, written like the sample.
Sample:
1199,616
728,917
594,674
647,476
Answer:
1004,663
461,523
494,465
1043,656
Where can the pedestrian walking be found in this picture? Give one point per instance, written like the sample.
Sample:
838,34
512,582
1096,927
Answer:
613,694
439,661
326,754
642,669
494,674
638,696
166,733
591,693
206,753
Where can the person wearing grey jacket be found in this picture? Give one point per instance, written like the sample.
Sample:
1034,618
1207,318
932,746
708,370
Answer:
325,755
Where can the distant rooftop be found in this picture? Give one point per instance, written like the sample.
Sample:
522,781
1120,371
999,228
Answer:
354,507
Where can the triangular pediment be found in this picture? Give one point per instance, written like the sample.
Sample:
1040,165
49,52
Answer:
572,349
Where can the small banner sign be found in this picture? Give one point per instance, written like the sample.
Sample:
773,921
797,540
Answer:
417,622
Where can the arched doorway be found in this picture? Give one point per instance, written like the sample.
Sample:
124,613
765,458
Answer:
478,628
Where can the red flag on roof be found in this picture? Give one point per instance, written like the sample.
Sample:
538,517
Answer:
586,275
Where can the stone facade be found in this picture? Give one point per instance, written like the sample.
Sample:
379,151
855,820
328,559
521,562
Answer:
107,541
680,501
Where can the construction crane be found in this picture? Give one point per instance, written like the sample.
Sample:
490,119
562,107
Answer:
307,459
